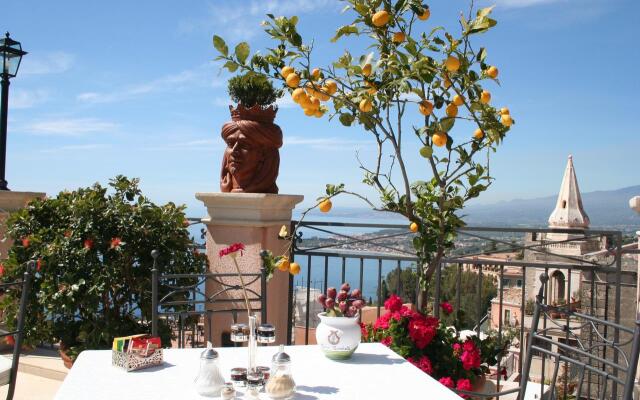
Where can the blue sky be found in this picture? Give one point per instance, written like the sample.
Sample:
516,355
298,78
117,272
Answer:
124,87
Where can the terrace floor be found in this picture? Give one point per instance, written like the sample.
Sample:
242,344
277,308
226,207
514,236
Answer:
40,374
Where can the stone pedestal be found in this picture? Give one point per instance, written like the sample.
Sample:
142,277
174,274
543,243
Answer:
255,220
10,202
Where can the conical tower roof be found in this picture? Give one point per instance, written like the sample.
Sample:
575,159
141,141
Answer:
569,212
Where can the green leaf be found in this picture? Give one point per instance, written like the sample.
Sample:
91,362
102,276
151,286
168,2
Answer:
242,52
220,45
426,151
447,123
346,119
482,54
231,66
345,30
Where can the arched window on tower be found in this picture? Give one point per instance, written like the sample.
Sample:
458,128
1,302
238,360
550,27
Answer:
557,289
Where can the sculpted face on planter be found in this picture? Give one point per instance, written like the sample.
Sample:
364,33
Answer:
251,160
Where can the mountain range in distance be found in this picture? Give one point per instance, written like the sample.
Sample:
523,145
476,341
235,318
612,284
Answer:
607,209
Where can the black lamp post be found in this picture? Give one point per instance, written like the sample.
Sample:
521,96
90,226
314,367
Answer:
11,53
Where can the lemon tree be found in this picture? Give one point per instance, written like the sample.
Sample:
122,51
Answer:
417,80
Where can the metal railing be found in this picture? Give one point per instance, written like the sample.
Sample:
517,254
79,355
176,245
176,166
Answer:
584,264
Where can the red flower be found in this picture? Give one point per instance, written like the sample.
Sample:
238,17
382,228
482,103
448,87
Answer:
363,330
115,242
10,340
26,241
470,355
387,341
234,248
88,243
423,363
383,321
39,264
1,270
464,384
457,349
448,382
393,303
406,312
422,331
446,307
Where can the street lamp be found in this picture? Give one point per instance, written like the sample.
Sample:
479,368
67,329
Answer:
11,53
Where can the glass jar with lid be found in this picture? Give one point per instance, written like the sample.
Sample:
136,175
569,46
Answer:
281,385
266,333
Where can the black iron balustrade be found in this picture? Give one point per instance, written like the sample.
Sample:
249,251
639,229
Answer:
24,286
598,273
181,296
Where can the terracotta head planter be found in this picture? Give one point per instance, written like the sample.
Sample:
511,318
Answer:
251,160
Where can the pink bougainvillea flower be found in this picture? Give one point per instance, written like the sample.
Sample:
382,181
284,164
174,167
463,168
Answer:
115,242
231,250
464,384
88,243
423,363
448,382
26,241
39,264
422,331
446,307
457,349
393,303
10,340
470,355
383,321
1,270
387,341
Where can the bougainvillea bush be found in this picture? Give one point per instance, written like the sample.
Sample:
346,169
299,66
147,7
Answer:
433,347
93,250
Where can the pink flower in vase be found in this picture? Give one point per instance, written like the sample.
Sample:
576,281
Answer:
448,382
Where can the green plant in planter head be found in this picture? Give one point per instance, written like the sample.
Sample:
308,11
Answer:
252,89
93,279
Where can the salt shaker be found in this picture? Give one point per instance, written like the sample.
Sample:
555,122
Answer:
209,381
281,385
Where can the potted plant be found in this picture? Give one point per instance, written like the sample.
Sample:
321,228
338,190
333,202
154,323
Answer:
93,249
458,362
251,160
338,332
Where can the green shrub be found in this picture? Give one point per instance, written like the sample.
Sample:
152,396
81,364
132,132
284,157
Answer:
93,247
251,89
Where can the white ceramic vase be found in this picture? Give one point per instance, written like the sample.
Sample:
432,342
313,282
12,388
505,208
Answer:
338,337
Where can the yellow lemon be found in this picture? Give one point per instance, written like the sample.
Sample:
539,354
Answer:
485,97
425,15
447,83
315,74
309,112
325,205
365,105
284,264
439,139
506,120
372,87
380,19
318,113
286,71
304,100
399,37
366,70
332,87
451,110
297,94
293,80
413,227
294,268
478,134
314,103
323,94
458,100
492,72
504,110
425,107
452,64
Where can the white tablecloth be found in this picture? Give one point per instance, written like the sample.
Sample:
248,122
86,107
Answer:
374,372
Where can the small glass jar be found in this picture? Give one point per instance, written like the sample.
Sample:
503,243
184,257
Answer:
265,372
228,392
239,333
239,377
266,333
280,385
209,381
255,380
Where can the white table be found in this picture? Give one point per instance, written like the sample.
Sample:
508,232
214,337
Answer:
374,372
